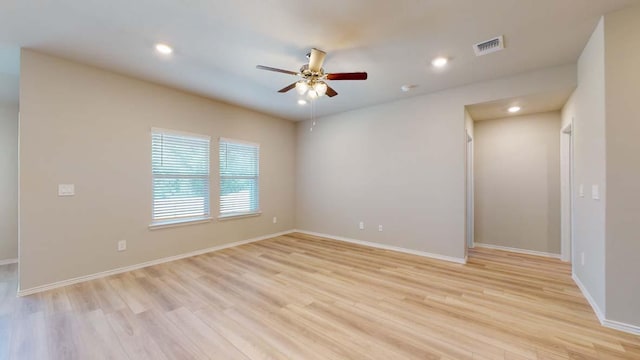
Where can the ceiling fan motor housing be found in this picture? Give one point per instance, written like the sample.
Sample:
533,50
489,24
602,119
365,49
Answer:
310,75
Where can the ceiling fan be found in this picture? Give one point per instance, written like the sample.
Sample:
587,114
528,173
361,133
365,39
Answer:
313,76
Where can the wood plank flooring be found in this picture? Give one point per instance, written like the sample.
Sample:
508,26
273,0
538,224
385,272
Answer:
303,297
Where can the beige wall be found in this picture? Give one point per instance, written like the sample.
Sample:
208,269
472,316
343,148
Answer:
91,127
517,182
589,167
8,181
400,165
622,58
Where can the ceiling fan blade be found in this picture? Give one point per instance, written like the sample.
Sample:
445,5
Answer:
330,92
287,88
316,59
347,76
262,67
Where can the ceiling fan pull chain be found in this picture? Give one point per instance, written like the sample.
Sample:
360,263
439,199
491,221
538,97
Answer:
313,120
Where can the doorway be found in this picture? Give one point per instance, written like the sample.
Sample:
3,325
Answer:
566,168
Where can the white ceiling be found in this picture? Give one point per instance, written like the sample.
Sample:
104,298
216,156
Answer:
218,42
530,104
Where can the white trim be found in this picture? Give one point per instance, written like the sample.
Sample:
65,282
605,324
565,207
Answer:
515,250
102,274
469,192
158,130
174,223
590,300
386,247
617,325
8,261
566,191
239,215
612,324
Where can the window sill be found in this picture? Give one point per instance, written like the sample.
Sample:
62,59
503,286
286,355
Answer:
239,216
175,223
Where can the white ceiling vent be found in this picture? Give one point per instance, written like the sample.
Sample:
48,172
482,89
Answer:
489,46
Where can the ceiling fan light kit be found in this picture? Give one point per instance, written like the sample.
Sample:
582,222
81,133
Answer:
313,89
313,82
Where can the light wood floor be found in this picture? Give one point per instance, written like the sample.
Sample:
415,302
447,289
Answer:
301,297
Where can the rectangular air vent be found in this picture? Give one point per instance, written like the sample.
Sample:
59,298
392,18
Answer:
489,46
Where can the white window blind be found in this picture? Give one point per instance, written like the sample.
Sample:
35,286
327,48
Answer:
180,167
239,178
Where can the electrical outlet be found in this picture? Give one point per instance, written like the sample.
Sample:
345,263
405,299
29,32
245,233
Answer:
582,258
275,219
66,190
361,225
379,227
122,245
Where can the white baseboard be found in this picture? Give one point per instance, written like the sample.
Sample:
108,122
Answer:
612,324
587,295
102,274
8,261
516,250
386,247
617,325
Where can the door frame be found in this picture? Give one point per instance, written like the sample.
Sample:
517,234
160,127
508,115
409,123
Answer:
469,241
566,191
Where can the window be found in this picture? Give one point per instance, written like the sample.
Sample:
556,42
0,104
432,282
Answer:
239,164
180,167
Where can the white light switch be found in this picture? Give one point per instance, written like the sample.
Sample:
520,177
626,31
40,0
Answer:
595,192
581,190
66,190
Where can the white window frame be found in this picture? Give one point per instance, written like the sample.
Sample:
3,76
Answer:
237,215
177,221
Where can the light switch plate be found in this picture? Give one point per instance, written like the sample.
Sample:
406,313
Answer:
66,190
595,192
581,190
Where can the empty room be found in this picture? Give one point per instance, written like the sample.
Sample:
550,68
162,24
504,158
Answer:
319,180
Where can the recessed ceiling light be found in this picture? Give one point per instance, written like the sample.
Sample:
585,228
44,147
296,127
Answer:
164,49
302,102
439,62
514,109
